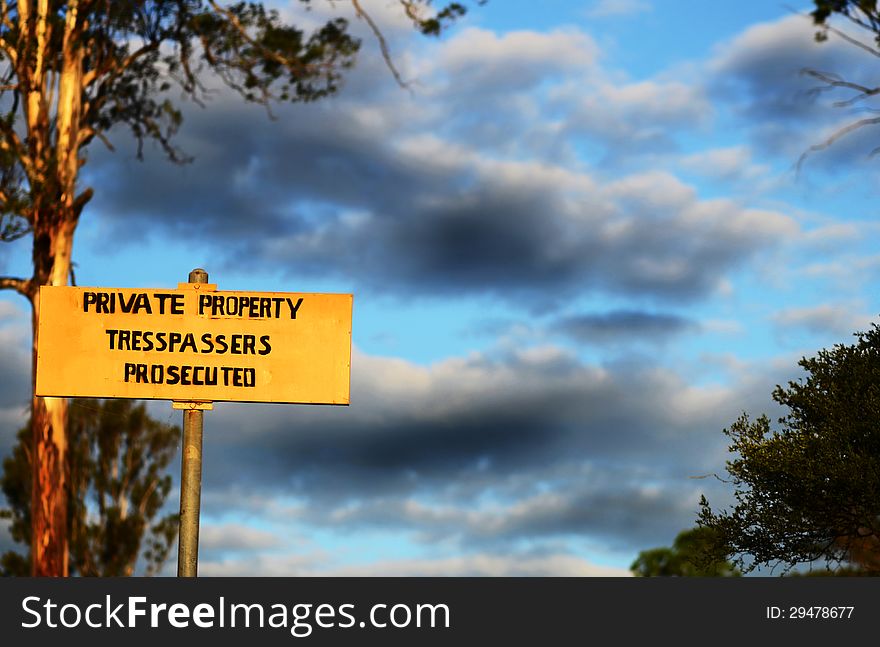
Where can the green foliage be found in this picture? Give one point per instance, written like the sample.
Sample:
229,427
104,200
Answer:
116,462
145,47
810,490
134,52
849,8
824,9
433,25
693,554
864,14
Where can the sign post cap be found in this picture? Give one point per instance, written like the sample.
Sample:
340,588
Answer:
198,275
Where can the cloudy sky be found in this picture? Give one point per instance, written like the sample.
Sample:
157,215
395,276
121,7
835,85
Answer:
580,247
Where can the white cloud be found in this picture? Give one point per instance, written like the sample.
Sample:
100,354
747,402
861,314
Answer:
657,103
236,537
723,326
825,318
483,565
603,8
515,59
834,232
10,312
846,273
735,164
632,119
467,565
272,564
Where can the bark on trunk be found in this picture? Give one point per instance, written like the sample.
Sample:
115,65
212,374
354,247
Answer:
49,547
53,244
55,214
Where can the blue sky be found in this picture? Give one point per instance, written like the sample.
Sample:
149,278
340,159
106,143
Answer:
579,248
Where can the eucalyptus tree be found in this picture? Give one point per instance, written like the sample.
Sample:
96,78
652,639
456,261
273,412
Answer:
117,484
73,71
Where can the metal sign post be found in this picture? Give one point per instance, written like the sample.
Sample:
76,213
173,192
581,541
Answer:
190,478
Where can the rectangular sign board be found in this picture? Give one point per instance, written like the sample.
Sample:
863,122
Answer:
194,344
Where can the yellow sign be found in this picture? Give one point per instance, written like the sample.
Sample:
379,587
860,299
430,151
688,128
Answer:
194,344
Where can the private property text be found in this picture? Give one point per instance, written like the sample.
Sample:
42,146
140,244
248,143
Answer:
171,341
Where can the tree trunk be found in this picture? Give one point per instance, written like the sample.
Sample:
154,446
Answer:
53,243
56,210
49,502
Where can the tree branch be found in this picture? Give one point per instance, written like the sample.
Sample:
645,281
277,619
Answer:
22,286
4,15
872,18
383,44
833,81
7,48
842,132
90,76
87,133
145,499
292,65
853,41
10,142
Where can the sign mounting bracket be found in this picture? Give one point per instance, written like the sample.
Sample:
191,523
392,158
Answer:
195,405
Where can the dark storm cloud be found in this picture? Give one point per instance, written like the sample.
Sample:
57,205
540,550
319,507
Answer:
624,326
15,367
14,360
626,517
762,74
555,446
383,191
503,414
6,541
767,62
247,176
320,195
